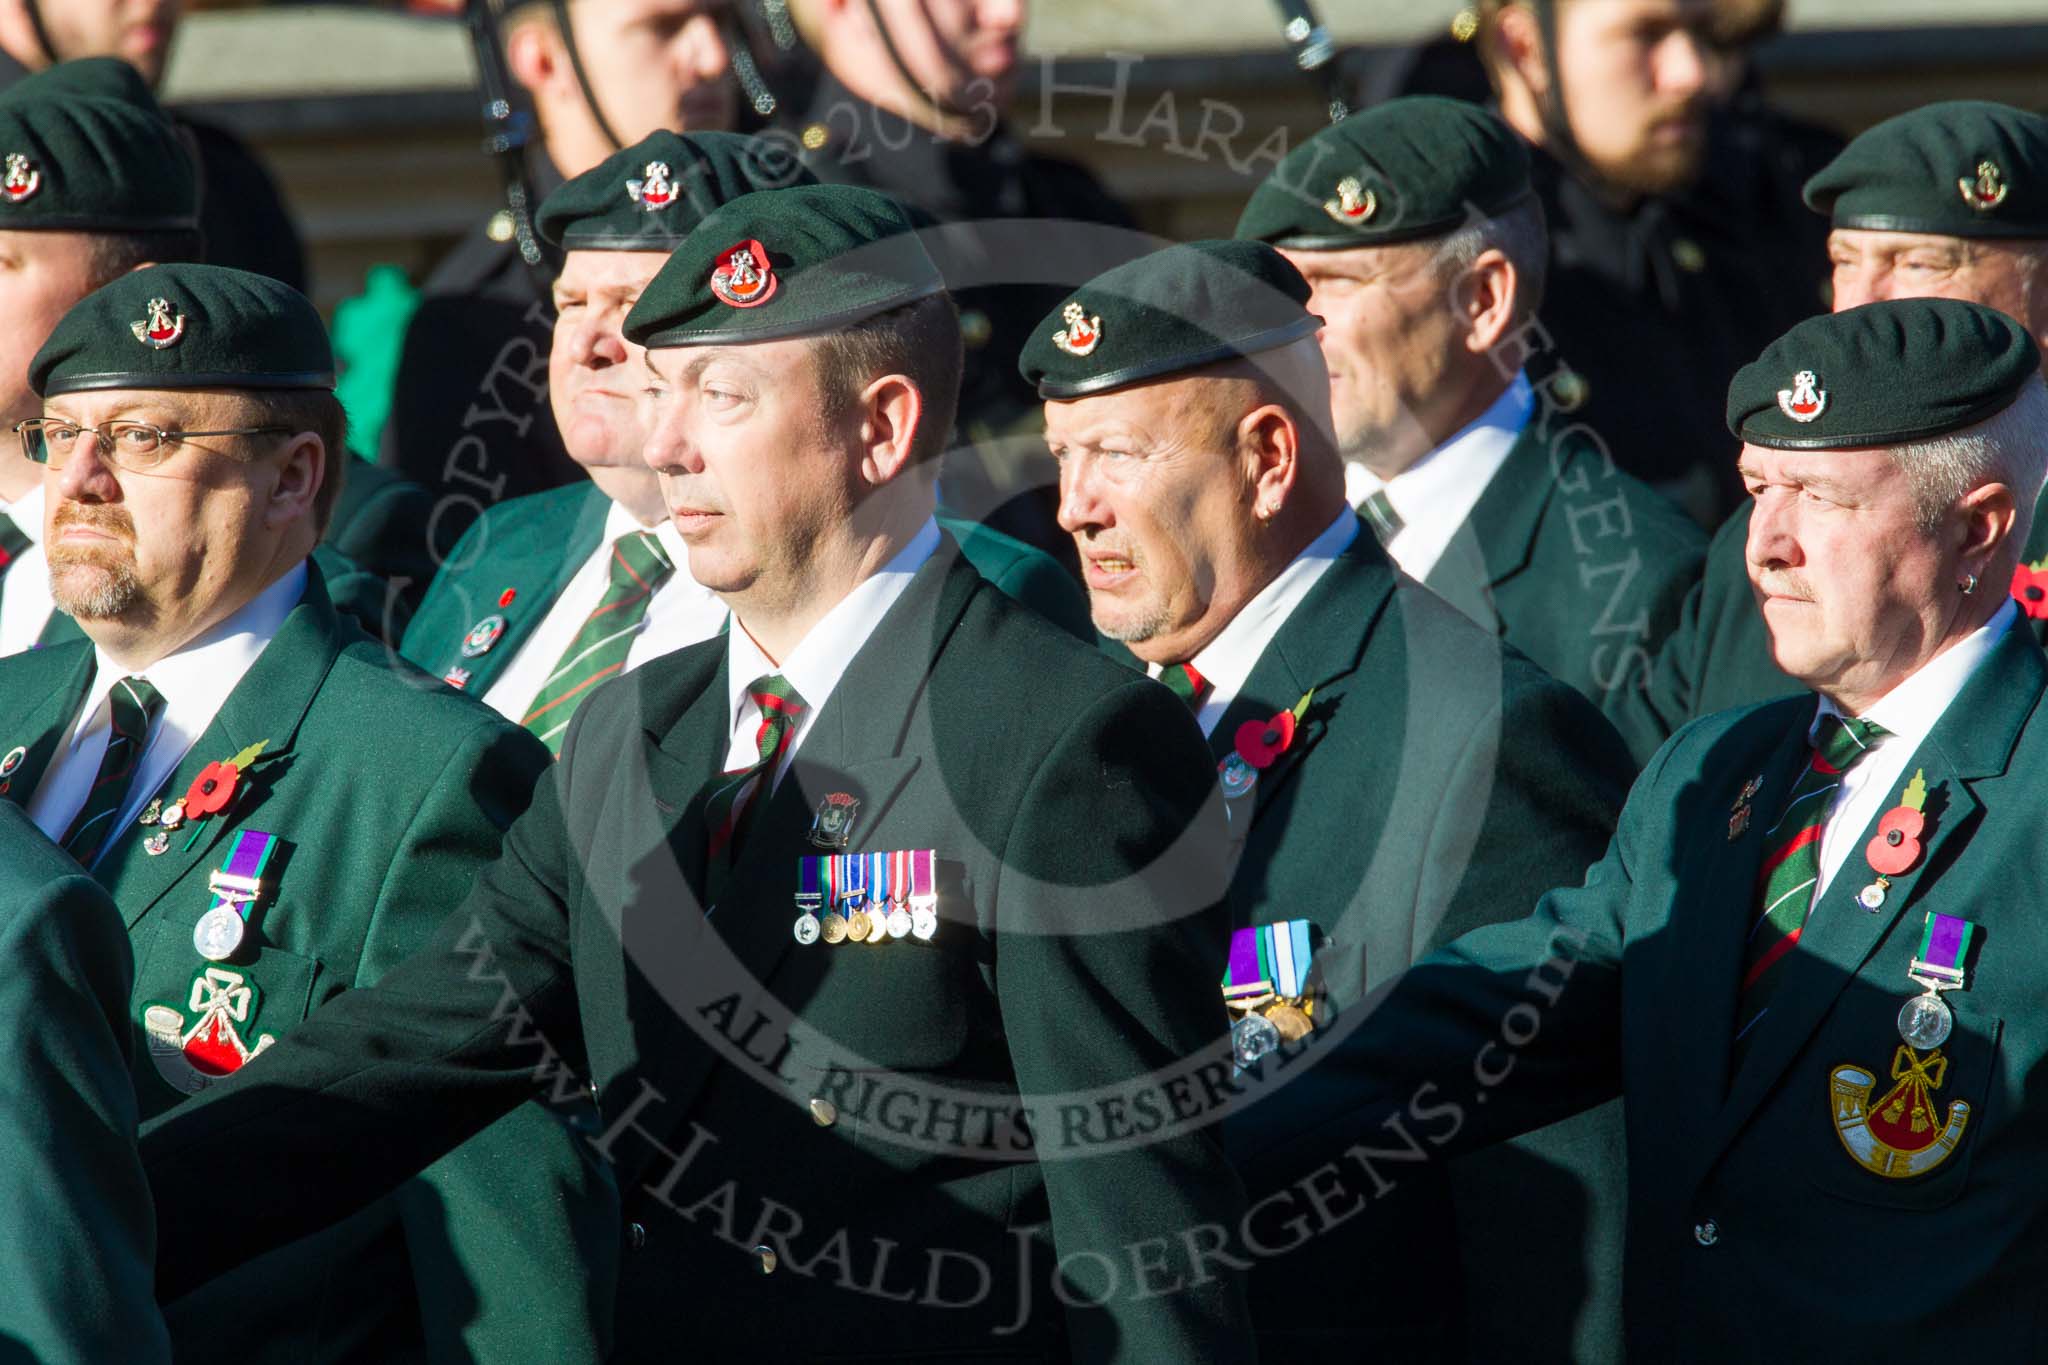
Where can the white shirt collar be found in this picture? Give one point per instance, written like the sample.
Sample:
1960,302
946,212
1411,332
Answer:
821,658
1910,710
26,512
1226,661
1435,495
195,681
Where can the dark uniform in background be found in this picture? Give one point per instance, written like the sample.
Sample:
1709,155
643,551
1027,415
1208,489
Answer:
1001,474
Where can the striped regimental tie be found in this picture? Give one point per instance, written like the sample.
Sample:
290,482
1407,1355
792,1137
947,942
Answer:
727,813
1379,512
639,566
1185,682
134,705
1791,866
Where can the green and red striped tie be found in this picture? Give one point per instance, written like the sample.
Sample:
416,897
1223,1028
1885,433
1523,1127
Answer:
1186,683
1791,866
726,813
639,566
133,706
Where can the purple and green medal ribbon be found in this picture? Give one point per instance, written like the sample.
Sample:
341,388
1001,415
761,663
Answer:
1267,958
809,892
250,855
1944,945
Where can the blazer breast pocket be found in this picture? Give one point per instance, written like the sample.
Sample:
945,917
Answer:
1894,1127
202,1021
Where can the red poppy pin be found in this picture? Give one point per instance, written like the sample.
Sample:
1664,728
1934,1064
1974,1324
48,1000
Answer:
214,788
2030,589
1260,742
1895,849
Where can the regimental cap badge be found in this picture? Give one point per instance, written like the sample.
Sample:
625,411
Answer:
742,277
1082,332
1806,400
832,826
160,328
655,191
22,179
1354,205
1987,190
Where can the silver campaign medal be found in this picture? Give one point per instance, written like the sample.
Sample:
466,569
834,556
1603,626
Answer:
219,933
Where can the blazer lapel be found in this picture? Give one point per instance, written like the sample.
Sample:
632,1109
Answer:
1973,739
1498,537
1706,956
1319,644
47,722
267,705
537,574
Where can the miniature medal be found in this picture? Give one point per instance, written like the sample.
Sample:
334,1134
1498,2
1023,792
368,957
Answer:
809,897
924,896
1252,1037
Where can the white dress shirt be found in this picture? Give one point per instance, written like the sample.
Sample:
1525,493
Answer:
1226,661
194,682
1875,782
681,612
25,603
1435,495
820,659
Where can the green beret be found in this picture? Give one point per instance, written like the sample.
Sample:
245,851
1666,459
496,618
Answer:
1966,168
1420,166
785,263
85,148
186,326
1882,375
649,197
1177,309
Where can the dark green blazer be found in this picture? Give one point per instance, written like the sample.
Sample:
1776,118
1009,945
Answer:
1581,567
380,524
532,546
1753,1233
76,1260
1720,654
1080,847
1438,782
388,793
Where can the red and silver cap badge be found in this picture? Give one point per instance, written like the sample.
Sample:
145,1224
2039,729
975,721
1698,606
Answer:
656,191
1987,190
1082,332
1354,204
161,328
1806,400
22,179
742,277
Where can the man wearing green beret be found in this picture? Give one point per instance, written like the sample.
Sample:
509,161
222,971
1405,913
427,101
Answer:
550,594
100,185
76,1261
1810,957
1942,202
1424,247
91,186
1393,775
885,925
280,809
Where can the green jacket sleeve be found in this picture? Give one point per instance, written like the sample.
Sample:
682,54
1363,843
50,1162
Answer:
75,1263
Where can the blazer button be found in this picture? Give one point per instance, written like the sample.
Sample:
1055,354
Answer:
767,1259
825,1112
636,1236
1707,1233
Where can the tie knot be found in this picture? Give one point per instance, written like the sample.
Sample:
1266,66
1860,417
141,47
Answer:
1841,741
638,560
773,694
134,706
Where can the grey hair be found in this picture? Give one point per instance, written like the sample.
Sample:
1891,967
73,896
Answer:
1518,234
2010,447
